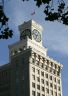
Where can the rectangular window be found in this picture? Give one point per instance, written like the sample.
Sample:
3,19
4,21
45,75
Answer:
42,73
54,71
55,79
38,87
51,92
55,87
47,90
47,83
55,93
55,66
33,85
33,77
33,93
33,69
38,94
59,94
46,67
43,88
50,77
42,81
38,71
58,73
42,65
43,95
50,69
59,88
38,79
33,60
51,85
58,81
46,75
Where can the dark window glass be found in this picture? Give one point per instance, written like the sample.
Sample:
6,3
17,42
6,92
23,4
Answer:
42,73
59,88
47,83
38,87
46,75
42,65
38,79
42,88
33,85
33,76
33,93
38,71
47,90
51,85
50,77
33,60
38,94
55,79
42,80
33,69
58,81
55,86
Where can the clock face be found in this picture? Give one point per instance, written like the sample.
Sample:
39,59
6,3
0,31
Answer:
25,33
36,35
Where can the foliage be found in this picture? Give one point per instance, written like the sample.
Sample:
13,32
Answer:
51,13
4,29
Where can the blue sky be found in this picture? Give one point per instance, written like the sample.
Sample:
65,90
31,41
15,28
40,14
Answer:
55,35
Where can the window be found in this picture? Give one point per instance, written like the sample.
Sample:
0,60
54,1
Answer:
38,87
33,85
58,81
33,60
33,69
55,93
33,76
42,88
46,67
46,75
51,64
51,85
38,79
42,65
42,80
59,94
47,90
54,71
58,88
55,66
47,83
50,77
38,71
33,93
43,95
55,87
42,73
38,94
55,79
50,69
51,92
58,73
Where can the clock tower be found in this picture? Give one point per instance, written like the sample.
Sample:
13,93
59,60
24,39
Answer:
31,32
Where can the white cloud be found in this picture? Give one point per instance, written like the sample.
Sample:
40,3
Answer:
56,38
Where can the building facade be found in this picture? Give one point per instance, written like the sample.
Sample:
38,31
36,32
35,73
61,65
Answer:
31,72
